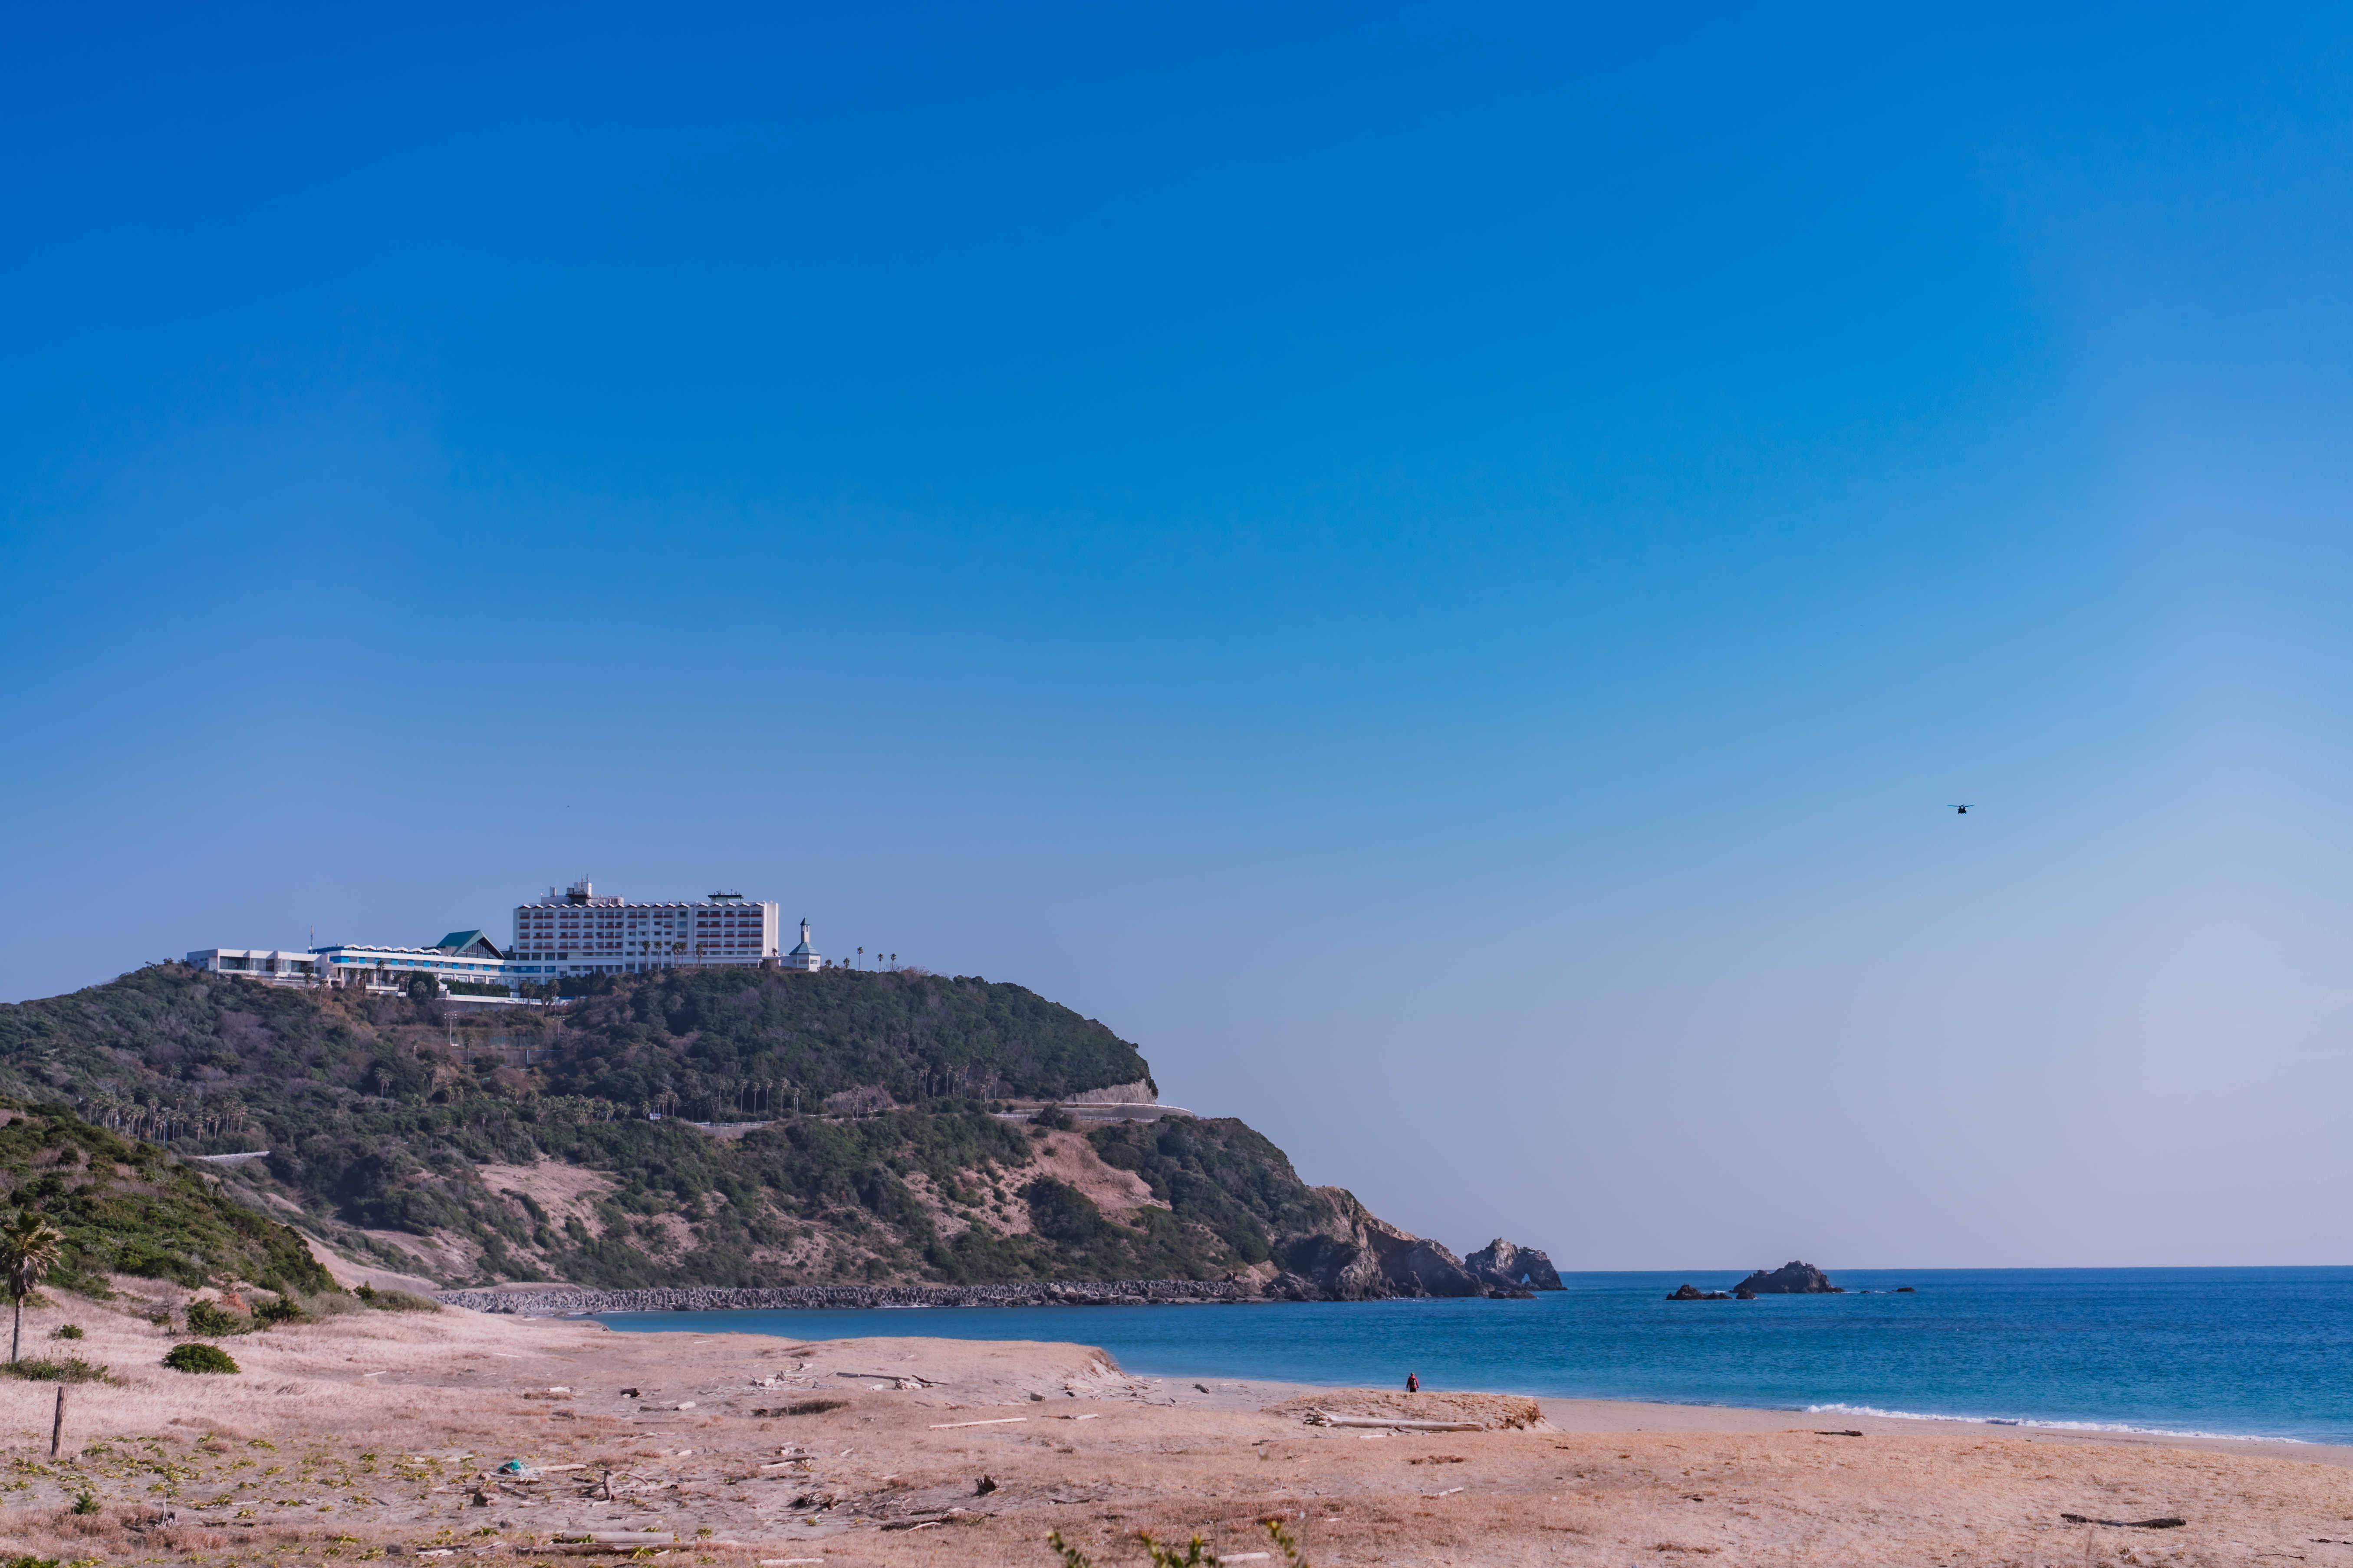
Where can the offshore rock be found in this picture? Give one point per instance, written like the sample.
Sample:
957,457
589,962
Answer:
1792,1279
1694,1293
1508,1267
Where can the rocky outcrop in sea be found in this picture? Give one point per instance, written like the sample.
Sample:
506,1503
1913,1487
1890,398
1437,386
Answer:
1512,1267
1347,1253
1792,1279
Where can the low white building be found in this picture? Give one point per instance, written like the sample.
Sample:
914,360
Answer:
466,956
274,965
462,958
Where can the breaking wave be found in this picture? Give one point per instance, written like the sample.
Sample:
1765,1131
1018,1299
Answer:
2044,1425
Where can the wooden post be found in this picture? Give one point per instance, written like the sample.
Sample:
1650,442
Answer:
58,1426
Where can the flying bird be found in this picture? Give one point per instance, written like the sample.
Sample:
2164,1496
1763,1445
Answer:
1963,810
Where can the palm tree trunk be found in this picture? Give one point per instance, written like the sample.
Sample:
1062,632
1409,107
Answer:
16,1334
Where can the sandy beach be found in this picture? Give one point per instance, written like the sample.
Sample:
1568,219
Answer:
374,1432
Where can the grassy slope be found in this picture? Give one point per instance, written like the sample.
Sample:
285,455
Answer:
126,1207
375,1125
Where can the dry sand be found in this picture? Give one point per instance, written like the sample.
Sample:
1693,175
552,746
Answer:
373,1434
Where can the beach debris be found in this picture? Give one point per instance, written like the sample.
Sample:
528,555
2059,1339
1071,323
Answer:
1322,1418
1440,1459
996,1421
1448,1491
629,1393
804,1407
984,1486
2170,1521
1202,1387
1843,1431
894,1377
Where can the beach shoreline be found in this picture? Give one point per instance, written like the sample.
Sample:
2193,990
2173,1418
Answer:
1590,1412
1594,1417
484,1435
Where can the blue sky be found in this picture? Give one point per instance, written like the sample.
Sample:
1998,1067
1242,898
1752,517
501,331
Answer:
1437,570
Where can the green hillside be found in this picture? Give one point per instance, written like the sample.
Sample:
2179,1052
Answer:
126,1207
383,1116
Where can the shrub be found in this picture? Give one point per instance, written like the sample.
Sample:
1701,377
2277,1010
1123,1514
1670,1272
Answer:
66,1332
199,1358
72,1369
396,1301
278,1309
86,1502
208,1319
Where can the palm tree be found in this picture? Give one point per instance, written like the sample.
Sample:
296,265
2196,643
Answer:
28,1248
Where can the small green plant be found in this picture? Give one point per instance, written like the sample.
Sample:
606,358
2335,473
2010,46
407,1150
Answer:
278,1309
29,1560
1284,1543
199,1357
86,1502
1197,1554
209,1319
66,1332
72,1369
396,1301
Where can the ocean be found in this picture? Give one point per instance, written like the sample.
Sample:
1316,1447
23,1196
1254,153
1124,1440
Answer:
2236,1352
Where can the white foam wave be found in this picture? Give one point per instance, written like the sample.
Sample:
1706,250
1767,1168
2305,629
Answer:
2046,1426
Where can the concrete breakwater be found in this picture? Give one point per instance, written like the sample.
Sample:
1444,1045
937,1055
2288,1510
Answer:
557,1300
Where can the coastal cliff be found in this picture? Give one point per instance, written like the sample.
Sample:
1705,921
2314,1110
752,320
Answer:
733,1129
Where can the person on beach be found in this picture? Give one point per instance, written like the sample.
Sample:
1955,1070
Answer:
1412,1383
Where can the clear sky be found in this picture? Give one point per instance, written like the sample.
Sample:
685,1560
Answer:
1437,567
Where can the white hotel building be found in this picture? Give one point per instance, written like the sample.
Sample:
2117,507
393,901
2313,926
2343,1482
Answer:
576,931
571,931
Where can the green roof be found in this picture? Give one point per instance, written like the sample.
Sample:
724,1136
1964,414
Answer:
460,940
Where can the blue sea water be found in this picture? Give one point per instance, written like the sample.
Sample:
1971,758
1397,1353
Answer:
2251,1352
